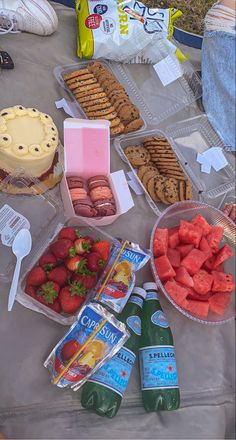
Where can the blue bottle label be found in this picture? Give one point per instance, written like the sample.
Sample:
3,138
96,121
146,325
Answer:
115,374
158,367
136,300
152,295
134,323
158,318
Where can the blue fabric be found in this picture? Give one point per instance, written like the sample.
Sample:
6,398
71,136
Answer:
218,81
70,3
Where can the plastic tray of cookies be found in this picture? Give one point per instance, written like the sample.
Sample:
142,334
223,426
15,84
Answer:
43,215
151,169
187,139
107,100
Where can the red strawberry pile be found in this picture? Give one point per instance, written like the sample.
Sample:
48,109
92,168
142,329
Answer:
67,271
190,264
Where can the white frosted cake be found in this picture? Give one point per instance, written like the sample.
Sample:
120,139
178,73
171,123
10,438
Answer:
28,140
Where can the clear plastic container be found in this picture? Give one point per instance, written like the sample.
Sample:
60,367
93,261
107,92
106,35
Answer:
194,136
188,138
137,139
186,211
120,73
46,218
155,101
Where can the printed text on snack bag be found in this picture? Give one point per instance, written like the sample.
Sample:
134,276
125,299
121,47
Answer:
123,18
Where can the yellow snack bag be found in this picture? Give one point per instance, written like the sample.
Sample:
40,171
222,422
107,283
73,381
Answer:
122,30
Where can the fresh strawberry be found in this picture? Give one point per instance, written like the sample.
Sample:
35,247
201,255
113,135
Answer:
56,306
69,233
48,292
89,239
36,277
95,262
77,263
72,297
103,248
82,245
63,248
47,261
69,349
31,291
59,275
88,281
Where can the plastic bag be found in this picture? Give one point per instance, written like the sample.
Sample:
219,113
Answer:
122,30
90,342
118,279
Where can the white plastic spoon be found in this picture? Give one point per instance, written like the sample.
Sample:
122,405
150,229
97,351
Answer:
21,248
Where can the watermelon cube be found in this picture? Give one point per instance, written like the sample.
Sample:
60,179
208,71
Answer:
214,238
174,257
220,268
199,308
222,282
219,302
184,249
160,245
194,295
173,238
164,269
178,293
183,277
224,254
204,246
202,282
208,265
194,261
189,233
199,220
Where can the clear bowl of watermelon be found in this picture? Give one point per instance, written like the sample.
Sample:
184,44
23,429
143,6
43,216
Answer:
193,261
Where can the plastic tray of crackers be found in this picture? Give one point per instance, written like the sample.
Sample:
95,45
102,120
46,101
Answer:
166,167
103,90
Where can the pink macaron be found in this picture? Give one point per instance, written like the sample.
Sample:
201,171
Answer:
100,193
78,194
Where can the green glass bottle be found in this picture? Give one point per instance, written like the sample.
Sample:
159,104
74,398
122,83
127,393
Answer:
158,371
104,390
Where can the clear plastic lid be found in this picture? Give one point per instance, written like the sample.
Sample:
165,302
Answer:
157,98
188,138
40,213
139,291
150,286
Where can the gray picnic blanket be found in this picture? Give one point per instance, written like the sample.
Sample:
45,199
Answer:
30,406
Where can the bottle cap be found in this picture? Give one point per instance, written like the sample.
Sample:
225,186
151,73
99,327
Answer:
150,286
139,291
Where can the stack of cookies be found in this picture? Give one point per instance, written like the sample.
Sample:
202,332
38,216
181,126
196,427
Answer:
159,171
101,96
93,198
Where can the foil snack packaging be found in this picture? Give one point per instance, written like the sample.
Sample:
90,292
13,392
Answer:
91,341
118,279
122,30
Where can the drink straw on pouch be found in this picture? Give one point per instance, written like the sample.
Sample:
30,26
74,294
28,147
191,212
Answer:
112,268
59,376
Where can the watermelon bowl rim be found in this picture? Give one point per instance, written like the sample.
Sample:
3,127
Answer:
156,277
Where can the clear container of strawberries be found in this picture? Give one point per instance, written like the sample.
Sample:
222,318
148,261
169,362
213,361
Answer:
193,246
67,259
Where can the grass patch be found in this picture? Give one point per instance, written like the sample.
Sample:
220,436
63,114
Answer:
194,12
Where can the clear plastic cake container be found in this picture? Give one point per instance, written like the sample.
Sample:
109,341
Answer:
44,218
186,211
156,101
187,138
87,154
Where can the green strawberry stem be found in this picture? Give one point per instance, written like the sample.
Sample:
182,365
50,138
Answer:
72,252
76,288
48,292
101,263
78,233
